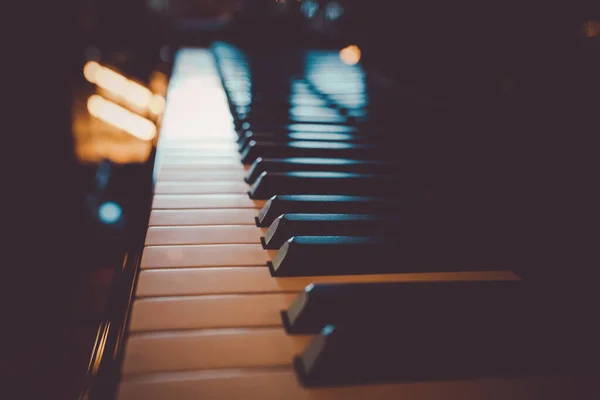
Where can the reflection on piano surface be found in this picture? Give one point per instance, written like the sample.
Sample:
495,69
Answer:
380,220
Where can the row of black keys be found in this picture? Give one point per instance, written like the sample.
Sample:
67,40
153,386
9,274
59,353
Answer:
345,221
333,167
344,218
342,235
398,332
367,333
280,101
357,163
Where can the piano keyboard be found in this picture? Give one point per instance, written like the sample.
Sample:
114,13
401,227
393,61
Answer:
206,322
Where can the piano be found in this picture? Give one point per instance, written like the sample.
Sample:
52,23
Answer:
314,234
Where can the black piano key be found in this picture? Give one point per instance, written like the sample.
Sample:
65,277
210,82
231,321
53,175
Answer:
305,106
310,100
269,184
344,304
358,113
321,128
346,255
321,204
417,348
287,226
321,164
270,128
265,131
262,107
314,149
339,356
283,118
306,136
312,112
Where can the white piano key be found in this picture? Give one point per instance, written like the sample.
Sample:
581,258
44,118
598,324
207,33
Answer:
232,280
222,187
200,152
189,130
180,125
196,157
176,174
222,139
216,139
209,349
216,135
206,312
280,382
218,143
199,201
205,166
199,167
210,255
180,235
212,143
217,162
243,216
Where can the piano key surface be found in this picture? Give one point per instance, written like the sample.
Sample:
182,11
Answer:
179,281
206,320
281,382
242,216
223,234
176,175
210,349
212,187
204,201
209,312
210,255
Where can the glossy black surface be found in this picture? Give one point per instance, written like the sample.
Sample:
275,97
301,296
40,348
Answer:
315,149
270,184
346,255
310,136
444,348
282,204
343,305
290,225
470,153
484,166
322,164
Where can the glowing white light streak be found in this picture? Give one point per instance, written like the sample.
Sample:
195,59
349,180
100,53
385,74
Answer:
121,118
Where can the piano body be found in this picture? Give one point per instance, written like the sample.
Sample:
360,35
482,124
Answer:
327,229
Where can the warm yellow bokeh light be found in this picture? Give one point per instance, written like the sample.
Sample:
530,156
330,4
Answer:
157,104
107,79
591,28
121,118
158,83
350,55
89,71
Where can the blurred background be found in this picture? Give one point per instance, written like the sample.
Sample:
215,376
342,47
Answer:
125,51
87,194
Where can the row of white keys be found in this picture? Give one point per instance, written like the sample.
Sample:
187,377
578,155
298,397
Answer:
277,383
214,187
176,218
205,201
217,234
184,175
205,322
